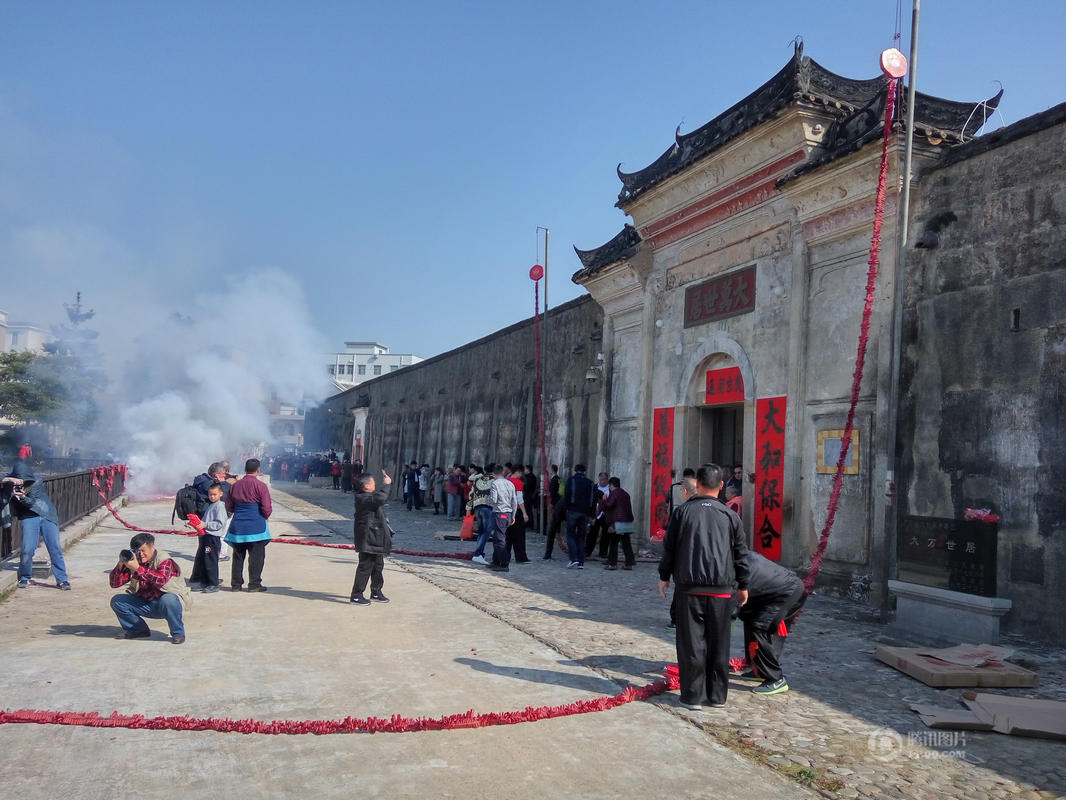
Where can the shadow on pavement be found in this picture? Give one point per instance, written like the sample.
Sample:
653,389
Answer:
88,631
303,594
551,677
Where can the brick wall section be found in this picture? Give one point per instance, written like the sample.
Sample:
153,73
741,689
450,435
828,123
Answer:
476,403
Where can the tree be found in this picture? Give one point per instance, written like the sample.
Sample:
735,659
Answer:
24,396
48,389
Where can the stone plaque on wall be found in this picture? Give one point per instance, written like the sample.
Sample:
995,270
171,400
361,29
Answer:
719,298
949,554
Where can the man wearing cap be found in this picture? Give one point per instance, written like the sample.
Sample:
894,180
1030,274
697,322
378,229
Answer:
28,502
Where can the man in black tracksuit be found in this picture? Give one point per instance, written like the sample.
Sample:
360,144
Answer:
775,597
705,553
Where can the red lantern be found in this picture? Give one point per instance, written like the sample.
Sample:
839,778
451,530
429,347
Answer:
893,63
536,272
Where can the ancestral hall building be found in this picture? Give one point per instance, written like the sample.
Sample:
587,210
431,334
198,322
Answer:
732,308
725,325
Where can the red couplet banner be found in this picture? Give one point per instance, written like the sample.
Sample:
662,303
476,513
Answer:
725,386
662,448
769,475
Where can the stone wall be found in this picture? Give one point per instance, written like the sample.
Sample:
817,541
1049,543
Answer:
476,403
984,372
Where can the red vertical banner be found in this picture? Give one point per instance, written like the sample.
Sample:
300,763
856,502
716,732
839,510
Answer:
662,461
769,475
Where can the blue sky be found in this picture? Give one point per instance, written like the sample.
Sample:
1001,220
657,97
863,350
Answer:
396,158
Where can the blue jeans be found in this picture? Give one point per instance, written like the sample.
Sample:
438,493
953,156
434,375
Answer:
488,524
453,506
577,525
32,530
130,608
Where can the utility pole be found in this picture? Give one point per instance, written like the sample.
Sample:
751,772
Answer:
892,509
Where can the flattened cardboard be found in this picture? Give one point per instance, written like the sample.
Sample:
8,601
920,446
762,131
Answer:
1019,716
971,655
952,719
934,672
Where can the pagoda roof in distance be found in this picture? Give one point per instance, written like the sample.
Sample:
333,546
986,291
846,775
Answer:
620,247
803,81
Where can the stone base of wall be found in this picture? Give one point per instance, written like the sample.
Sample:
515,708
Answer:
932,614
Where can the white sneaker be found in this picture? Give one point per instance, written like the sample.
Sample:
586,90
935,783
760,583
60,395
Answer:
571,565
480,560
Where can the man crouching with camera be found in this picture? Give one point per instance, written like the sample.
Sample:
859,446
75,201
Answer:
154,589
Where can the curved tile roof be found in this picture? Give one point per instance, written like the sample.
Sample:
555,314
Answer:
621,246
803,80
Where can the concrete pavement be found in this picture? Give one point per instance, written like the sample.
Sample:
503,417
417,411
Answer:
300,651
847,719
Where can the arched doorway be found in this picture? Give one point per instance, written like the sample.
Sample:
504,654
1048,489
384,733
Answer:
716,431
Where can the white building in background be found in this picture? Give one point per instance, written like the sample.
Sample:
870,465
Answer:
17,337
361,361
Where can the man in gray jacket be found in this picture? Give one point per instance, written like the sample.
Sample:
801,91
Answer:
504,501
705,553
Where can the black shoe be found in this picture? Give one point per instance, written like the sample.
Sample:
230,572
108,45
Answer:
257,588
499,568
359,600
378,597
521,561
210,589
237,588
65,586
137,634
177,639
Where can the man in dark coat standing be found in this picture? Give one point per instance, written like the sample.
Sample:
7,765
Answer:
373,539
705,553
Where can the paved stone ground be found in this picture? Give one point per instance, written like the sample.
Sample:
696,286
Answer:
846,721
300,651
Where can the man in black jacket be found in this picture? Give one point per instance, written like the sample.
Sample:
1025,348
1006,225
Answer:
775,597
580,500
373,540
705,553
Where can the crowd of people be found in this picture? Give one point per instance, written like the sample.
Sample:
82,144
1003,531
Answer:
705,555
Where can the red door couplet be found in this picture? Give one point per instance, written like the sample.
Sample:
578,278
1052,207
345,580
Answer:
724,386
769,475
662,448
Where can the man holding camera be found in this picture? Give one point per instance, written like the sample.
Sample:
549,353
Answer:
154,589
31,505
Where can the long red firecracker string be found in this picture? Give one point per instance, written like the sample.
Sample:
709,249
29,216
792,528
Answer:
864,335
321,727
107,474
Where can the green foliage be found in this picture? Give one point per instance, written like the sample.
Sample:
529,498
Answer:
48,388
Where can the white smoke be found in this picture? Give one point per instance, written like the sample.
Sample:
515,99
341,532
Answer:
198,388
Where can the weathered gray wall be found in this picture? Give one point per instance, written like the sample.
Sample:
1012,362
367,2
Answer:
476,403
984,406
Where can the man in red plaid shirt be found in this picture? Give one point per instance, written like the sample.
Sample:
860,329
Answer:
154,589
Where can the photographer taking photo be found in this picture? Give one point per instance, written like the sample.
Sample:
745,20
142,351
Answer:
31,505
154,589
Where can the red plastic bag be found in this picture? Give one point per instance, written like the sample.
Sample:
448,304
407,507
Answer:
467,531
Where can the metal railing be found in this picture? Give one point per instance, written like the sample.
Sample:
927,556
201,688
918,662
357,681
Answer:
74,495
